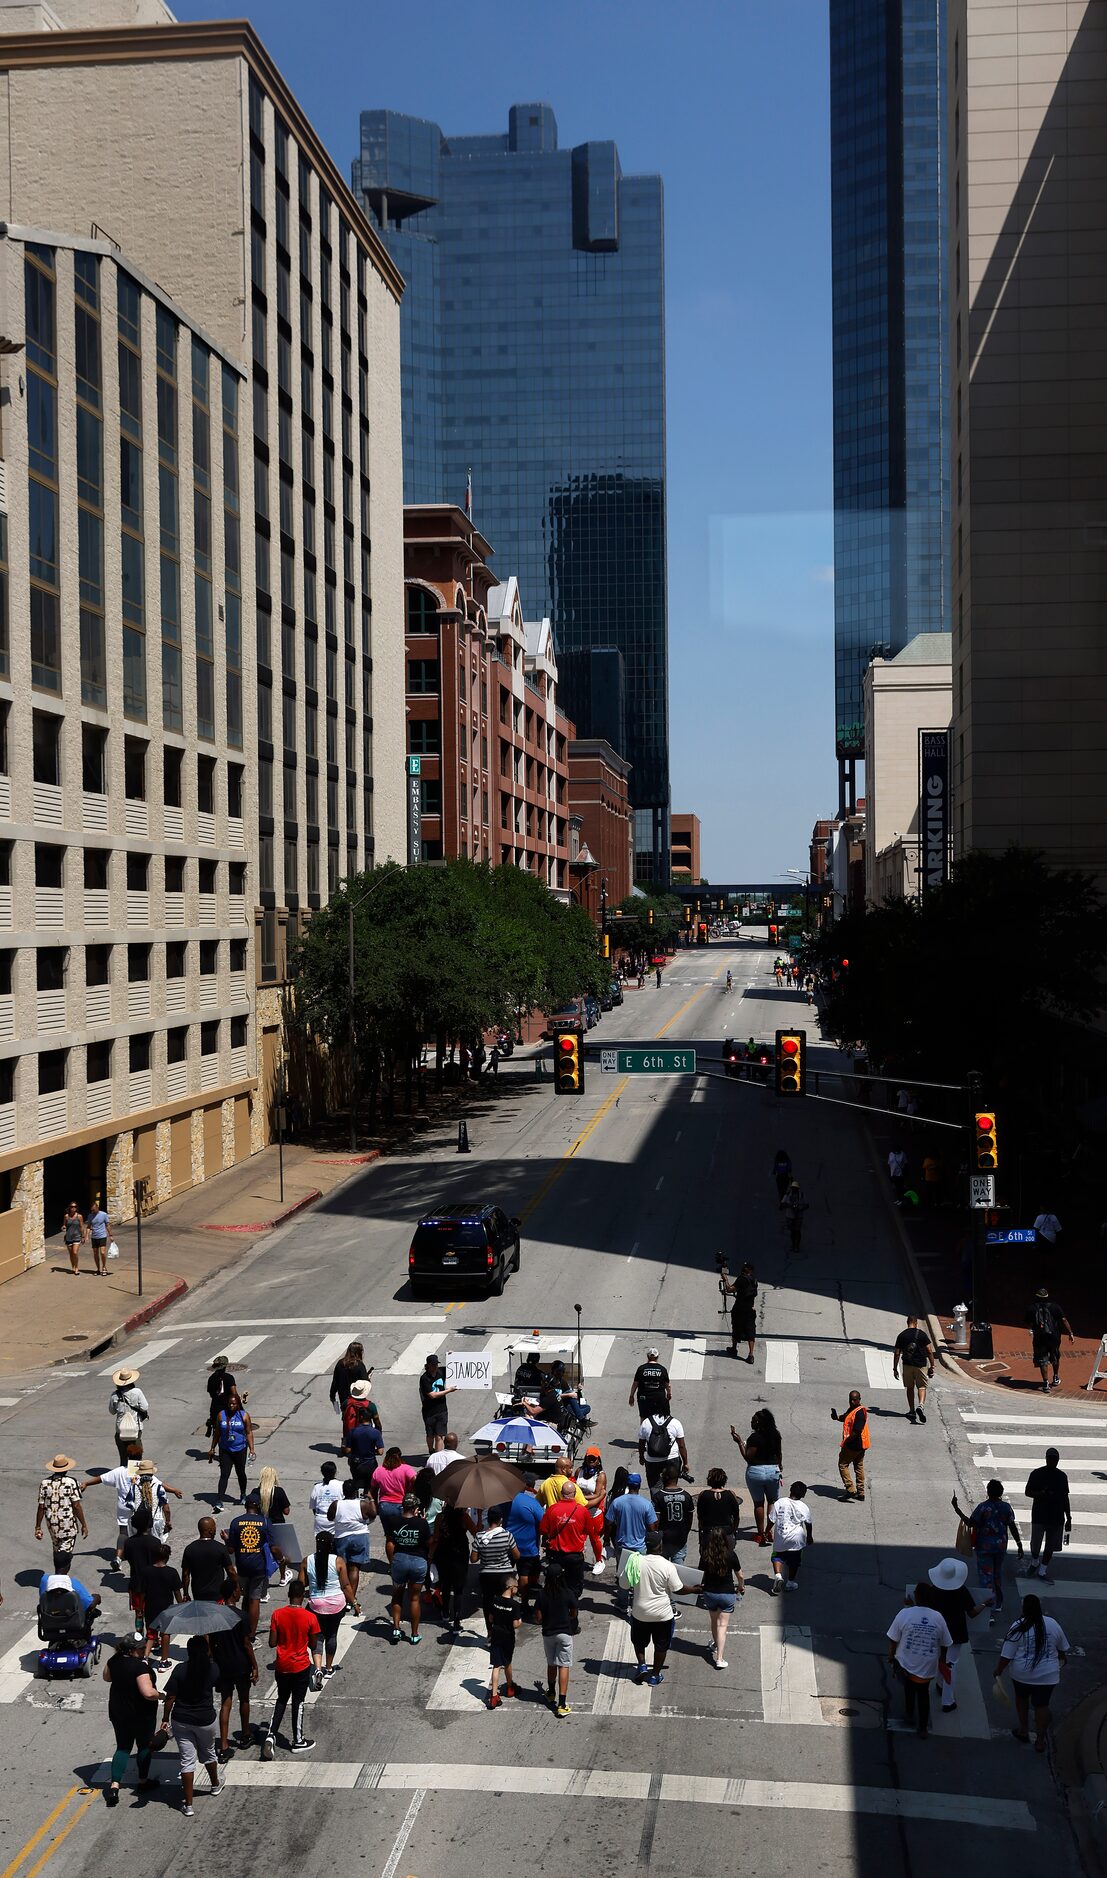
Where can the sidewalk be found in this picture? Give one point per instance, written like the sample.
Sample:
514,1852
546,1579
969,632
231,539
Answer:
51,1317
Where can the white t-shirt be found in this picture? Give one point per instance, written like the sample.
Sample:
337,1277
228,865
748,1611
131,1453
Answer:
348,1518
1019,1652
123,1480
1047,1226
323,1496
445,1457
676,1433
918,1634
791,1519
651,1602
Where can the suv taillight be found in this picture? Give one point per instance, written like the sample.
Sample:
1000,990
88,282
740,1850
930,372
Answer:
411,1255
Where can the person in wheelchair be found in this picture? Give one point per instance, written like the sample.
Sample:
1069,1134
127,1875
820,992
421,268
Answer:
559,1403
66,1608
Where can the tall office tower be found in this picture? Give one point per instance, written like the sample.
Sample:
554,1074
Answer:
533,356
1028,356
891,428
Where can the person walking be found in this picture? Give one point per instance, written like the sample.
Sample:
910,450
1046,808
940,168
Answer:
1047,1321
523,1520
790,1530
433,1390
1047,1489
190,1713
350,1368
365,1443
411,1561
73,1235
556,1609
252,1544
630,1518
651,1386
140,1552
592,1482
237,1672
564,1530
675,1511
360,1407
763,1454
352,1514
782,1160
794,1206
854,1446
661,1440
59,1505
915,1352
718,1506
133,1713
162,1590
149,1491
219,1384
453,1534
497,1554
919,1642
295,1635
1048,1230
652,1582
1036,1648
124,1480
743,1312
897,1170
949,1596
207,1567
722,1586
131,1411
323,1498
99,1233
277,1506
992,1522
392,1481
503,1615
329,1594
233,1435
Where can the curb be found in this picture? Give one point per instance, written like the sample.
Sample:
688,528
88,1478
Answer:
135,1322
1080,1766
267,1225
350,1160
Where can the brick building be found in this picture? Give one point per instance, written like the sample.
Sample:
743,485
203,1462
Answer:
598,798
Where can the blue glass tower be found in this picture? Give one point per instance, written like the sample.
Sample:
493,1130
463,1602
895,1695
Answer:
891,421
533,354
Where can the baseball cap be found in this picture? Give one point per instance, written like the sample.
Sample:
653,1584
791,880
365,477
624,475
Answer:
652,1351
634,1480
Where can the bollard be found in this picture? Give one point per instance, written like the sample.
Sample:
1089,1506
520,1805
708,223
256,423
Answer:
960,1326
463,1138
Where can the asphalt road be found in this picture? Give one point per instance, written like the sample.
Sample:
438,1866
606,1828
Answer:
794,1757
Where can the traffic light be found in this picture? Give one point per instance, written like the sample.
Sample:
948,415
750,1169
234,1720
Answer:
687,913
569,1062
607,945
649,916
701,934
987,1148
791,1062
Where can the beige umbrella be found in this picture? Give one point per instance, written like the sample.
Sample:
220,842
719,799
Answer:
480,1483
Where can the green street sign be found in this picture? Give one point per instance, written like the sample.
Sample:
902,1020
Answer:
648,1062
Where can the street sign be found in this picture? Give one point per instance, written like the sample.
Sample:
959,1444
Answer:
982,1191
1012,1235
647,1062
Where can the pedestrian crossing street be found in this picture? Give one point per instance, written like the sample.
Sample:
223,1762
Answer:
1007,1444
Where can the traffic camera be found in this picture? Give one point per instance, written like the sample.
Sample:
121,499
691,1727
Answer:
987,1149
791,1062
569,1062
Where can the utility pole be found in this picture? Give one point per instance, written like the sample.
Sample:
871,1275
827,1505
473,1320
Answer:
353,1042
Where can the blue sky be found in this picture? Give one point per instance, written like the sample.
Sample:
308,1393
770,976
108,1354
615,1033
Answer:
728,102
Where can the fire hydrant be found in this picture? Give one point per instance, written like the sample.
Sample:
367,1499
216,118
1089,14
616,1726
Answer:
960,1326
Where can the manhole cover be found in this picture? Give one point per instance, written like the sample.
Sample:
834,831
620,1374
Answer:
77,1337
849,1711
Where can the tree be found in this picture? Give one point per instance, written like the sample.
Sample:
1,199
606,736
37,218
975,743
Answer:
635,930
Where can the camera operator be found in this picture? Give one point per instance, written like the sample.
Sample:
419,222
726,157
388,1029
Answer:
743,1312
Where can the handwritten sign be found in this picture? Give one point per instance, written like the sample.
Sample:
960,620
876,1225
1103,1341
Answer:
468,1369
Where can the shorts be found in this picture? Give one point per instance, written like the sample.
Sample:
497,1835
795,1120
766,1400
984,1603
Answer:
764,1484
390,1513
501,1649
408,1569
743,1324
1047,1353
235,1683
353,1547
252,1585
716,1600
657,1632
559,1650
137,1601
1053,1533
1036,1693
914,1378
196,1744
529,1567
436,1424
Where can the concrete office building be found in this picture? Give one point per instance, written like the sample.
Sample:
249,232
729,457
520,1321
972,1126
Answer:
1028,359
904,698
273,616
891,396
686,868
533,338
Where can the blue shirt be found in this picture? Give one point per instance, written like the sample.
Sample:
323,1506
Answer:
84,1598
98,1223
631,1517
364,1443
522,1520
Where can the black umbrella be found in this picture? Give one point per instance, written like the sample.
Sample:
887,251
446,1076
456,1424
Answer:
196,1618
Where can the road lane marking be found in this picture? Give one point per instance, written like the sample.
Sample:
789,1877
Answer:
37,1837
677,1015
239,1347
14,1679
688,1359
466,1664
1043,1422
58,1839
983,1457
334,1317
789,1692
660,1183
782,1360
878,1370
324,1356
411,1360
556,1172
594,1352
632,1252
404,1833
146,1353
1099,1442
616,1692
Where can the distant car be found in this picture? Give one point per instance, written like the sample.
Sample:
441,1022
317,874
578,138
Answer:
733,1054
464,1245
606,999
564,1019
616,991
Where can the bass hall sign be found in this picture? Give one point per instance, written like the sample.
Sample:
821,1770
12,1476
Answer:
933,808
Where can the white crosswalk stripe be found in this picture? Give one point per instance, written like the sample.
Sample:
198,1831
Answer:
462,1682
594,1352
688,1358
782,1361
789,1691
143,1356
1003,1444
878,1370
17,1666
412,1359
238,1347
324,1356
616,1692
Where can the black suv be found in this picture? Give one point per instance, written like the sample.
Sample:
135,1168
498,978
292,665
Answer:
463,1245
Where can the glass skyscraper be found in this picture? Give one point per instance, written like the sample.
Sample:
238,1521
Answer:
533,355
891,421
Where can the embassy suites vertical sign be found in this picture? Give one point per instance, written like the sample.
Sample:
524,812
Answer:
933,808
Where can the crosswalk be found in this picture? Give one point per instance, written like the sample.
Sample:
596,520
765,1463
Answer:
1007,1444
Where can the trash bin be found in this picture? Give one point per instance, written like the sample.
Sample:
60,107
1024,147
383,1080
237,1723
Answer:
980,1341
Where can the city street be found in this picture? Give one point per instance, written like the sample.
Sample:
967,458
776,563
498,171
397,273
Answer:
796,1756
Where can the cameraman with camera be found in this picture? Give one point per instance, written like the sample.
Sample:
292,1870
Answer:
743,1312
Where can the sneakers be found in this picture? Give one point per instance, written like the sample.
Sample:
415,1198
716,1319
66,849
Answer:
187,1810
510,1689
302,1747
792,1584
397,1633
331,1670
267,1748
641,1671
920,1415
599,1567
655,1676
494,1701
216,1791
563,1709
910,1415
416,1637
777,1586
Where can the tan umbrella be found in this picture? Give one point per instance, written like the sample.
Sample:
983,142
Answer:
480,1483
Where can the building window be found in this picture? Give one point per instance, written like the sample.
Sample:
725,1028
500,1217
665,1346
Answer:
172,778
139,1052
422,676
134,769
268,947
42,451
94,760
52,1067
129,306
172,677
46,747
424,736
49,865
205,785
176,1045
201,478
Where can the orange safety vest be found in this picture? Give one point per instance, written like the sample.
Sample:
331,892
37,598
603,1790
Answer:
847,1427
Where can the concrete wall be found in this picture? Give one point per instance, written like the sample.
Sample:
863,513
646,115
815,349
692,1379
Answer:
900,700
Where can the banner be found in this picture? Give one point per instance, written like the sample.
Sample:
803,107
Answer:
933,808
468,1370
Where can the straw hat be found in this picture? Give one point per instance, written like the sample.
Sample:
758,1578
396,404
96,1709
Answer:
360,1392
123,1378
146,1469
60,1464
949,1574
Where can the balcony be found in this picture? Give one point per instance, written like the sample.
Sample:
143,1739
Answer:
141,1090
236,832
174,909
136,819
5,907
138,909
172,819
138,998
49,909
7,1126
97,907
176,994
236,988
208,992
209,1071
205,828
7,1018
51,1012
53,1114
176,1081
206,909
97,1004
94,814
236,909
46,801
239,1070
5,798
99,1103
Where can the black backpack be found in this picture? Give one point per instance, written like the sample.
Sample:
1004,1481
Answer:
658,1441
1043,1320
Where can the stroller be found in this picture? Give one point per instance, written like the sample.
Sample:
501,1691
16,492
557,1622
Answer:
70,1649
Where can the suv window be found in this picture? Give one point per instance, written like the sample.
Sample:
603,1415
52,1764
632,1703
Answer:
447,1233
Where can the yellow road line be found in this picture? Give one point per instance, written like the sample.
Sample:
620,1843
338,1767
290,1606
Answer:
73,1820
9,1871
556,1172
679,1014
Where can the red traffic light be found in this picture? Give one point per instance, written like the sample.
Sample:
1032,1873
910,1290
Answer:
567,1044
790,1046
986,1123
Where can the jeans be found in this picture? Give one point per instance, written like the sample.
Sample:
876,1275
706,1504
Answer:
989,1571
227,1461
136,1733
916,1696
291,1687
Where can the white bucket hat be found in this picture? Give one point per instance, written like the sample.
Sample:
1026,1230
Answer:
949,1574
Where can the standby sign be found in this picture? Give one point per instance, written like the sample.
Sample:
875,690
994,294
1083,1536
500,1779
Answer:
933,808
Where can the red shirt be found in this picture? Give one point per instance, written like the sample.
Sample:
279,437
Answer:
565,1526
292,1628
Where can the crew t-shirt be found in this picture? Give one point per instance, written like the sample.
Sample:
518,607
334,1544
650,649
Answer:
791,1519
207,1562
651,1381
918,1634
412,1535
1048,1489
631,1517
1019,1649
292,1629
